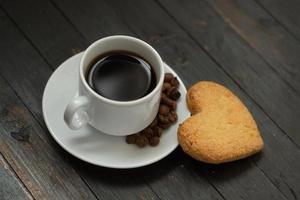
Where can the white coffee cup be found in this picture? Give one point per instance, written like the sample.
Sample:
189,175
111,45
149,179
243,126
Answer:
110,116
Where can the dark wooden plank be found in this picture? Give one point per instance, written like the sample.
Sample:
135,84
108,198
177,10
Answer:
10,185
47,31
240,62
237,59
170,179
44,151
106,23
43,172
265,35
13,55
114,183
167,174
286,13
192,64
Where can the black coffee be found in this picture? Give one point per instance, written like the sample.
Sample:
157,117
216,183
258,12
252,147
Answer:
121,76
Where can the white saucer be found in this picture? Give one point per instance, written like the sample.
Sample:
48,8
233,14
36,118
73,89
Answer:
90,145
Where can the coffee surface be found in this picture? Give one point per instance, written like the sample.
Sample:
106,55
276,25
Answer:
121,76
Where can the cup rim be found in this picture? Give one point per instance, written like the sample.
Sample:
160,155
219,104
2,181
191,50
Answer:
115,102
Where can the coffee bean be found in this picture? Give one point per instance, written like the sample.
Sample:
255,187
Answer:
169,102
168,77
164,126
154,141
166,86
163,119
148,132
174,82
172,119
160,131
173,93
163,109
142,141
130,139
157,131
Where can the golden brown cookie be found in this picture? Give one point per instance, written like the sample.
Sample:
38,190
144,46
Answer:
221,129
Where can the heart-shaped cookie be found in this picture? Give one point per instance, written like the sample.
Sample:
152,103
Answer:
221,129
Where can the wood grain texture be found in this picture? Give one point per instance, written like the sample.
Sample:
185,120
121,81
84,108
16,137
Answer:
286,13
272,174
30,89
162,33
114,183
19,60
255,77
240,62
10,185
265,35
43,172
49,30
171,179
106,22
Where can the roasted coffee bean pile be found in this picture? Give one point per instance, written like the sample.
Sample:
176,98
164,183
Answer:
166,115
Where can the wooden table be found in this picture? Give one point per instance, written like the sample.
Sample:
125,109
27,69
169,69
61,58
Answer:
252,47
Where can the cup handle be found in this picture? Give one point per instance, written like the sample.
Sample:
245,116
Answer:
76,115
